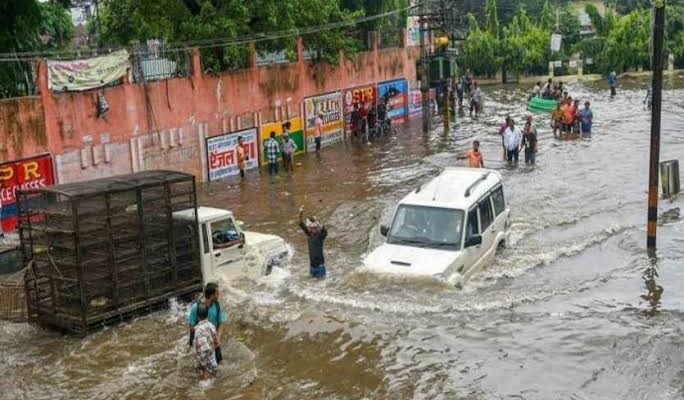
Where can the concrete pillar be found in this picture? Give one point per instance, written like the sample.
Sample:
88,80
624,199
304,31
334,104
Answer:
670,63
580,68
551,69
54,140
252,56
196,64
373,37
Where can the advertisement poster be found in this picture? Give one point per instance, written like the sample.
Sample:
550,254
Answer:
363,96
396,94
413,31
296,134
330,106
88,73
415,104
222,153
29,173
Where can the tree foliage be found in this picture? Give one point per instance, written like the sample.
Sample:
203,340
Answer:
480,51
194,21
621,41
492,17
29,26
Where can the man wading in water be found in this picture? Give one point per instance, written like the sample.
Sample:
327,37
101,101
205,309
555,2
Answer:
316,234
215,315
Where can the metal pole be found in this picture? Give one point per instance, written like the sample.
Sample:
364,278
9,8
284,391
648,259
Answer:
100,43
658,28
424,79
447,107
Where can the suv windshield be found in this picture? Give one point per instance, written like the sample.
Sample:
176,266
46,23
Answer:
427,227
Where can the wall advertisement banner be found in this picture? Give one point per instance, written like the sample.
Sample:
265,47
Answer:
296,134
415,104
396,93
413,31
330,106
29,173
222,153
363,96
76,75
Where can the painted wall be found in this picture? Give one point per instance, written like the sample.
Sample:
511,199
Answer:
163,124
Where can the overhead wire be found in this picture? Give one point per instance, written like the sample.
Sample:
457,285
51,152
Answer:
219,42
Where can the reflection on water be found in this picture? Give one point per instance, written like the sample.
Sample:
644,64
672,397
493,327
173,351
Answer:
558,303
654,290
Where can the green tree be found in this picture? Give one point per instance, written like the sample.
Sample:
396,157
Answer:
389,27
480,51
525,45
29,26
327,45
210,22
628,43
492,18
546,18
597,21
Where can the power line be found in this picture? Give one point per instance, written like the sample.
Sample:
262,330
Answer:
219,42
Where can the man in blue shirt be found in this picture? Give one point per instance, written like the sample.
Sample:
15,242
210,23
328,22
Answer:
586,119
215,315
612,81
271,151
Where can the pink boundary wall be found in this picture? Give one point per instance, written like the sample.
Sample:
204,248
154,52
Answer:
162,125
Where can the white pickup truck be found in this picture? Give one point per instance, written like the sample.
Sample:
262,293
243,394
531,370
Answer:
227,252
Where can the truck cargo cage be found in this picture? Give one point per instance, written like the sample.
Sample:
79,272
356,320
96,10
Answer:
108,249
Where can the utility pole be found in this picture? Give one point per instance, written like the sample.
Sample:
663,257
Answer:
658,30
447,107
425,77
558,19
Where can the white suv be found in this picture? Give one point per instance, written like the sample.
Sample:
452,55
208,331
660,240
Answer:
448,228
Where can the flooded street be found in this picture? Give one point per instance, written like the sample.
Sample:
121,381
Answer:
571,310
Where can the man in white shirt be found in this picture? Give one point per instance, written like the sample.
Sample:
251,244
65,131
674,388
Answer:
512,138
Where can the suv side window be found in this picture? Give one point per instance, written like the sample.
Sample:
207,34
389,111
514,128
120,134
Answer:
473,227
486,215
498,200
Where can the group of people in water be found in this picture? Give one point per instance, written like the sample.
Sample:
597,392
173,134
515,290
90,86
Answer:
568,117
370,121
467,86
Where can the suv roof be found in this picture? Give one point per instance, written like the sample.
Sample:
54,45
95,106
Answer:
448,189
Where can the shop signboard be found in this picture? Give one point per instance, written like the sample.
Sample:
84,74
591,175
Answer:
329,106
29,173
222,153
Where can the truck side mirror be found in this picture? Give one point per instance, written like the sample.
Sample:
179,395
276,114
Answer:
474,240
384,230
242,240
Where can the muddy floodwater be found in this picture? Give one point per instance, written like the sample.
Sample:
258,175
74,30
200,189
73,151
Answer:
573,309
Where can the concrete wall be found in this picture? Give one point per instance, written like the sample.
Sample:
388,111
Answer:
22,128
163,124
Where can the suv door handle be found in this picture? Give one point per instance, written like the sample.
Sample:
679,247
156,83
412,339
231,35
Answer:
217,254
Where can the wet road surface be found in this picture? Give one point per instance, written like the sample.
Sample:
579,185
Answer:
573,309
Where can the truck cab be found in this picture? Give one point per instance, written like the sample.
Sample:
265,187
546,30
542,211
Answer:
226,252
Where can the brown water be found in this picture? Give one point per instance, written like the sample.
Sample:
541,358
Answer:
572,310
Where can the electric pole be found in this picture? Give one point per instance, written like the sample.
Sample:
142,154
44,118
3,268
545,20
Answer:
658,30
424,78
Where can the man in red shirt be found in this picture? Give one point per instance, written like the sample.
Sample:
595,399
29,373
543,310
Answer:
474,156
